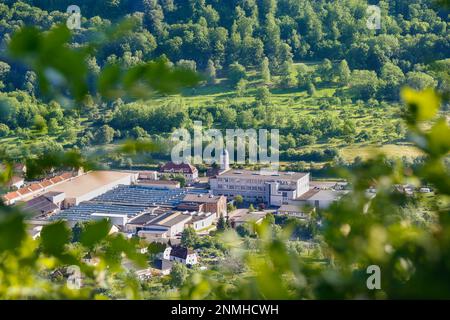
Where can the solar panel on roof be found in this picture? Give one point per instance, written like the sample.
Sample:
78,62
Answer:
131,200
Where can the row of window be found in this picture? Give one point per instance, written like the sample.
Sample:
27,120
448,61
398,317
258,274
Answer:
232,187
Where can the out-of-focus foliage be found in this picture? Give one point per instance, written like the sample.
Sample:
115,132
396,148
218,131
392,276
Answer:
41,269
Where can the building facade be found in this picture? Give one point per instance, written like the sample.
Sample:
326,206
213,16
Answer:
189,172
204,203
274,189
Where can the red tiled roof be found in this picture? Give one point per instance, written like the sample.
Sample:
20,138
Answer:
56,179
23,191
35,187
46,183
11,195
182,167
66,175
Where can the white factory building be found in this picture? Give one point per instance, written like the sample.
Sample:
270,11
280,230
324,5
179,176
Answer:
90,185
274,189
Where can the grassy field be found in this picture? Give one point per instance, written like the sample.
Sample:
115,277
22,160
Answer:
287,104
392,150
297,103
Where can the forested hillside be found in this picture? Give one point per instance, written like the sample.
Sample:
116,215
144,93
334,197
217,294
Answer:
310,68
247,31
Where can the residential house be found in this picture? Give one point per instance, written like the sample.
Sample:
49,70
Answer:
183,255
189,172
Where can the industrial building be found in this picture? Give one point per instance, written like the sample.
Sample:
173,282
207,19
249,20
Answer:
261,187
167,225
202,220
29,191
319,198
117,213
146,195
204,203
43,206
90,185
160,184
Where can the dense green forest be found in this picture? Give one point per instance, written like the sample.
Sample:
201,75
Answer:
309,68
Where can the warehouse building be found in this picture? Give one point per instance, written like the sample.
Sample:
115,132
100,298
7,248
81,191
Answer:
167,225
202,220
90,185
160,184
29,191
319,198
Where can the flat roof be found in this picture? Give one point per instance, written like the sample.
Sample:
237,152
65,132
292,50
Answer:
321,195
196,218
291,208
158,182
88,182
171,219
254,216
40,205
201,198
269,176
149,217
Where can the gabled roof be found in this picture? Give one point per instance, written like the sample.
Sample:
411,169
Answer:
201,198
180,252
308,194
66,175
56,179
23,191
182,168
40,205
35,187
11,195
46,183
